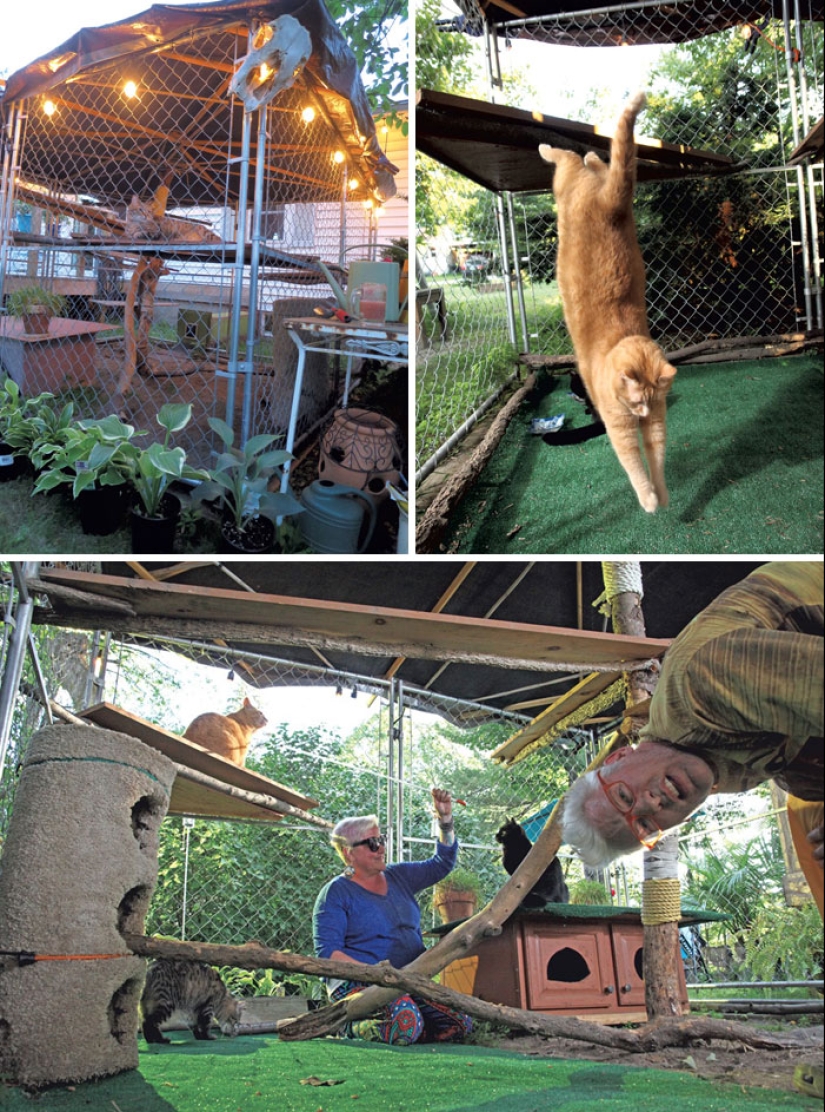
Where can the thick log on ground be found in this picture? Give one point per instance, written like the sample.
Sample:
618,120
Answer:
328,1021
435,518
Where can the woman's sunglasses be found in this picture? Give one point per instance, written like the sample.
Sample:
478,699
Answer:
374,843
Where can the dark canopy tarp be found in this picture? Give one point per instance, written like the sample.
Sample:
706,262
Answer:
571,23
544,593
498,147
183,58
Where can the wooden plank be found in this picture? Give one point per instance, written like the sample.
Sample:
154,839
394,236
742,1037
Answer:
194,799
364,628
577,696
192,755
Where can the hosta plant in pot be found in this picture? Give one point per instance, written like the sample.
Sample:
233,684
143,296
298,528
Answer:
34,427
239,484
36,306
13,461
95,463
151,471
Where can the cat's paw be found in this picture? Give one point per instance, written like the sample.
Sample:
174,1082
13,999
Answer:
649,502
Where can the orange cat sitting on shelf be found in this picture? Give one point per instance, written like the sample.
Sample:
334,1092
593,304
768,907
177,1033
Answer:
228,735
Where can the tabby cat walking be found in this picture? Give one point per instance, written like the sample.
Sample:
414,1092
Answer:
189,991
602,282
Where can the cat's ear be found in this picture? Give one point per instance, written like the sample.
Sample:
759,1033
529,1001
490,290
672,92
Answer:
246,702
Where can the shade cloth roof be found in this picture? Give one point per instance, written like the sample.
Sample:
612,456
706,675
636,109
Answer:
183,58
498,147
603,25
500,622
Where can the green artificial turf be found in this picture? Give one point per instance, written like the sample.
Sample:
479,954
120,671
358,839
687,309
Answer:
262,1074
744,471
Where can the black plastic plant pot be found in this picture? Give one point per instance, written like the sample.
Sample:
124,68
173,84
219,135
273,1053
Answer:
102,509
258,537
11,466
156,535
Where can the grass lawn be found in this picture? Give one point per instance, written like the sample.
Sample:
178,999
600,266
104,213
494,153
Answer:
262,1074
744,473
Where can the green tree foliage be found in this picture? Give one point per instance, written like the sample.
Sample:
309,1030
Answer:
372,31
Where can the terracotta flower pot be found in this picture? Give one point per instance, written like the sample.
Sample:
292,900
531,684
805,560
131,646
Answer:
455,905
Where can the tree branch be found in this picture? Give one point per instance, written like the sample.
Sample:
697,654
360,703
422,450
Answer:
328,1021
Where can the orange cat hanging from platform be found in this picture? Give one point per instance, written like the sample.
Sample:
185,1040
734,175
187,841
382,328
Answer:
602,281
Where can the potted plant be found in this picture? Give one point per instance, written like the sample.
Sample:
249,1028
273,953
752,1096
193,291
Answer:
34,428
457,895
150,472
36,306
13,462
239,485
95,461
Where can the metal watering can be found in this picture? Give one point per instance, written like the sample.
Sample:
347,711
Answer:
360,271
333,517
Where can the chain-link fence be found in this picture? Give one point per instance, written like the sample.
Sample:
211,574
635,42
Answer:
730,255
230,882
172,230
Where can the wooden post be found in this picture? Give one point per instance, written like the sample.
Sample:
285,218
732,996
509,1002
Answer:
623,596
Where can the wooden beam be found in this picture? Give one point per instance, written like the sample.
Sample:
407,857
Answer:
191,755
371,630
576,697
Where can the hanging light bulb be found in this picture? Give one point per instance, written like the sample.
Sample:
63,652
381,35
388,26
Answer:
130,90
49,108
308,114
353,183
338,157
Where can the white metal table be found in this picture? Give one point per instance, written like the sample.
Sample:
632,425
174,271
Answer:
387,341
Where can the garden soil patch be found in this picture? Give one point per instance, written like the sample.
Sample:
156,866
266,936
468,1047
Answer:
716,1061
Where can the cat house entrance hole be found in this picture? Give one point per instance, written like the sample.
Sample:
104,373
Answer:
132,910
146,817
638,962
122,1006
567,965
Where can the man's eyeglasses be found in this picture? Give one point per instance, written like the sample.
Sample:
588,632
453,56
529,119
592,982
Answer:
645,830
374,843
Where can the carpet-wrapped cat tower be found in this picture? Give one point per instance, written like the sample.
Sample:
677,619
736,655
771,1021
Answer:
79,866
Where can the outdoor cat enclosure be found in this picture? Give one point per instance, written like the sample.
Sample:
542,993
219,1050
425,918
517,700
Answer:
177,176
727,207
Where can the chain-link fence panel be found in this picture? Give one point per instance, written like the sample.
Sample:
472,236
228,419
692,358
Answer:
171,231
730,255
229,882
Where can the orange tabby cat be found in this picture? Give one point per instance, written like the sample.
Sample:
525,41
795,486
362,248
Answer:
228,735
602,281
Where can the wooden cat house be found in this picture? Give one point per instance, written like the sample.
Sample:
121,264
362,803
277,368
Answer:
566,959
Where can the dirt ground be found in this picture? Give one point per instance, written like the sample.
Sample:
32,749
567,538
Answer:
730,1062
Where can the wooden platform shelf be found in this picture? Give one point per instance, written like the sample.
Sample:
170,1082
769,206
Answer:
51,361
189,798
572,961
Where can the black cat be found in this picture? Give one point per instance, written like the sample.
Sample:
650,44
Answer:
515,845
